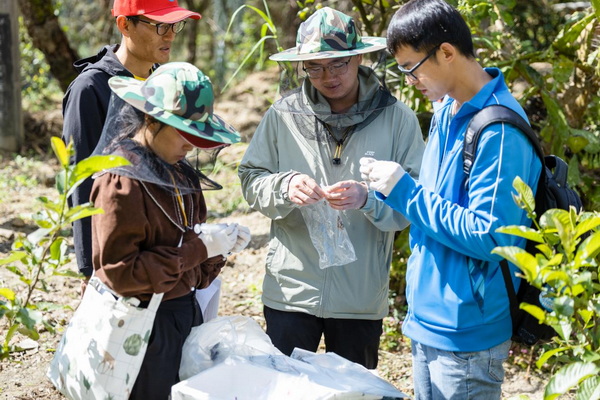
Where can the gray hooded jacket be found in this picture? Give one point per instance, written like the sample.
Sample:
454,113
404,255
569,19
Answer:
285,144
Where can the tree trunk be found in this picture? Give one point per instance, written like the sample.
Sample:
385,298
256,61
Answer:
47,35
193,27
11,121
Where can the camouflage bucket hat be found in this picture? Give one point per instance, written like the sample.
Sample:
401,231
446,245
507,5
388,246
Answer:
329,33
180,95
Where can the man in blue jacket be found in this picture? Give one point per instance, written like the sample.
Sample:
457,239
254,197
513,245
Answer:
148,28
458,317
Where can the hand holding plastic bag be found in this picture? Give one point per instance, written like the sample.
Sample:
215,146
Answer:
382,176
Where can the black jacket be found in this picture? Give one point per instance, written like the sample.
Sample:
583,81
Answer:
85,105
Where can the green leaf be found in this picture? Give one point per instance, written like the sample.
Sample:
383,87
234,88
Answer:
586,316
7,294
10,333
12,257
569,35
547,355
556,259
53,206
89,166
574,175
29,318
44,224
82,211
555,277
31,333
60,150
522,259
589,389
565,305
588,249
522,231
36,236
553,216
533,310
61,182
588,221
68,273
57,249
525,197
568,377
577,143
556,115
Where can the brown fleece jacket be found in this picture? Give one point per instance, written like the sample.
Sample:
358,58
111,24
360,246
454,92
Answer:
135,245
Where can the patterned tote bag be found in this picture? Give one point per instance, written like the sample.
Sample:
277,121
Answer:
102,349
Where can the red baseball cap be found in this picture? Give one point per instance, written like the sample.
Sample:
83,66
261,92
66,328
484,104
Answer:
167,11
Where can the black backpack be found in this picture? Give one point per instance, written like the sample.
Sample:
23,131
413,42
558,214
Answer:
552,192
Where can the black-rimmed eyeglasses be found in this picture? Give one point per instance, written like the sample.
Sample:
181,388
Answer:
162,28
338,68
410,73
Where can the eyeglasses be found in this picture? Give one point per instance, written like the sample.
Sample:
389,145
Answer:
410,73
338,68
162,28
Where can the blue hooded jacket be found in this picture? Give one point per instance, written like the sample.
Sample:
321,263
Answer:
453,226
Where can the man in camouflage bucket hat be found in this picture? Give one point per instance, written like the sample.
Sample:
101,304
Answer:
305,154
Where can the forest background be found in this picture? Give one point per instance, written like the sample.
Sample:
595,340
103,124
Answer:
548,51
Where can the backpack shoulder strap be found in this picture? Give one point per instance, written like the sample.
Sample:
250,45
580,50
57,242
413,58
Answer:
490,115
510,290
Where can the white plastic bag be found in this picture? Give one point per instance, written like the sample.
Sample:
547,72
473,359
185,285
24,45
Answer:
346,376
214,341
274,377
208,299
328,234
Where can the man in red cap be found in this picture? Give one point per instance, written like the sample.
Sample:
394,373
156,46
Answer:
148,28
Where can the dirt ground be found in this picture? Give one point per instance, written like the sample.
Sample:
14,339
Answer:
23,377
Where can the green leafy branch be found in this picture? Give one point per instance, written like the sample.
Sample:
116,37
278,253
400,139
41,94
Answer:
565,268
43,253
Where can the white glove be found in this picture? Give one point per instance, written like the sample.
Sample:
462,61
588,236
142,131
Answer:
366,165
382,176
243,238
218,238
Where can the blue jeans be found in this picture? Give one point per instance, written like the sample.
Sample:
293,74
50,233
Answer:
440,374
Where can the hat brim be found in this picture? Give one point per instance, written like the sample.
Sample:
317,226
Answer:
370,44
172,15
199,142
213,128
169,15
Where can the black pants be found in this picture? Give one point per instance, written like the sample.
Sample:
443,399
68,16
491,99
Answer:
356,340
160,368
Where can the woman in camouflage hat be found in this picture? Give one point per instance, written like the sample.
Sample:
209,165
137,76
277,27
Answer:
151,237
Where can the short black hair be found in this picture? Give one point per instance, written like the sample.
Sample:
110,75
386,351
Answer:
425,24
